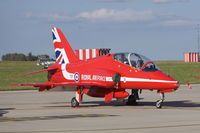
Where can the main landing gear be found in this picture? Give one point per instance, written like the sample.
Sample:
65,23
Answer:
132,99
159,102
74,102
77,100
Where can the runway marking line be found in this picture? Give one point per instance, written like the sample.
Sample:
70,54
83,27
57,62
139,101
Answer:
8,119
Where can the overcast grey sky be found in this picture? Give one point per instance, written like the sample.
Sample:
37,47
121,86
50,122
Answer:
158,29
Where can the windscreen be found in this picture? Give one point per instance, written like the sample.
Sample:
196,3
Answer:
136,60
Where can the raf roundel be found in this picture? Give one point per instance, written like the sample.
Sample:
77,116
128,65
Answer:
76,76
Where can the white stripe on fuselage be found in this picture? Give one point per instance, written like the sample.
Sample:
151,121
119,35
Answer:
66,74
145,80
128,79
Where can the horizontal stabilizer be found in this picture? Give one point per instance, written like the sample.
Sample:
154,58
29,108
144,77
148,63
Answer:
44,70
34,84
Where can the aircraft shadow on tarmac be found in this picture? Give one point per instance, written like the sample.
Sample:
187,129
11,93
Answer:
5,111
184,103
181,104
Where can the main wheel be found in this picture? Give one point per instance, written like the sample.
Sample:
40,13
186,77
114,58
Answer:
159,104
74,102
132,100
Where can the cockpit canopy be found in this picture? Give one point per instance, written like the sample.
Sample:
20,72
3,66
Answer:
137,61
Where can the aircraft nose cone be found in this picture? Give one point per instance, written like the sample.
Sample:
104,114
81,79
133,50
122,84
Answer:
166,82
172,83
176,85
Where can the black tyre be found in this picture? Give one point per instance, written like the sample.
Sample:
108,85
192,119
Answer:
131,100
74,102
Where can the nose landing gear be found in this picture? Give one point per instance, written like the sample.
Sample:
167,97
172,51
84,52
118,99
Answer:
160,102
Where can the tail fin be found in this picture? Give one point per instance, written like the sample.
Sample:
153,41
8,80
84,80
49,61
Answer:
64,52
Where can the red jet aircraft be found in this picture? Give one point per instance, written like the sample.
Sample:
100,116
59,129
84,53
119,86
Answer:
107,76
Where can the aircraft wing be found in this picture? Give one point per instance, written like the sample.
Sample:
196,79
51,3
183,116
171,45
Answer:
33,84
49,85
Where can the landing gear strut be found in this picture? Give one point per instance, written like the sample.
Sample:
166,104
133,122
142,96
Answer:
132,99
159,102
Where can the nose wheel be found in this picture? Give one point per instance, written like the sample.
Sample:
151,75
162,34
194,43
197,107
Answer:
160,102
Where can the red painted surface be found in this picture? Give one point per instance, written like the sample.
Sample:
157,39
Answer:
96,77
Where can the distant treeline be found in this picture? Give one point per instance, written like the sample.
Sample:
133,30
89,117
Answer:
22,57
